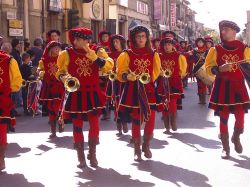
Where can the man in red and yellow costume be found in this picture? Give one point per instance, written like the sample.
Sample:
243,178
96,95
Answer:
138,98
198,57
87,103
10,81
229,93
175,64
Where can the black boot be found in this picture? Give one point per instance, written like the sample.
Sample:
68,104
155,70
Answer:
145,145
92,152
225,144
119,128
124,127
79,146
236,140
137,149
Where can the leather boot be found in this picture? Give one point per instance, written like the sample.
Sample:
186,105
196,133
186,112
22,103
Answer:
79,146
61,126
145,145
52,129
119,128
92,152
124,127
166,124
173,121
236,140
202,99
225,144
2,156
137,149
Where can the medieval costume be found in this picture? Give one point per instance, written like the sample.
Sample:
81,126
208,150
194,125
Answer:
229,93
87,103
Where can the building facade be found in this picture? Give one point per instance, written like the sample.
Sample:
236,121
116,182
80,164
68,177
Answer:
248,28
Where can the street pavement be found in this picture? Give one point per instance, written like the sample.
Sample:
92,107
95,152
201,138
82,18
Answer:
188,157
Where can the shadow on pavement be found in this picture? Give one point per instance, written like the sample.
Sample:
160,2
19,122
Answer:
242,163
173,174
14,150
193,139
15,180
102,177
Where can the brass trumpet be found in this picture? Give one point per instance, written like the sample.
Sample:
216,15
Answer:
24,83
112,75
144,78
167,73
71,84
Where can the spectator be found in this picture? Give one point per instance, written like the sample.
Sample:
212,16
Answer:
6,47
26,44
16,51
37,50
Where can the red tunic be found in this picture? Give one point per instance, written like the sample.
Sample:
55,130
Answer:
141,61
6,106
88,98
229,91
171,61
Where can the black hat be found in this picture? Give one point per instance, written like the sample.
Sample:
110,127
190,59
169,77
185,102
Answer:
230,24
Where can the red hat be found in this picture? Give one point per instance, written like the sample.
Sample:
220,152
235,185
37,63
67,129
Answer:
168,32
209,39
230,24
49,46
200,39
80,32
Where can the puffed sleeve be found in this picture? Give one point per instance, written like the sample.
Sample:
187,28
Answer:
183,65
157,66
211,65
40,66
62,63
122,66
247,54
15,76
104,61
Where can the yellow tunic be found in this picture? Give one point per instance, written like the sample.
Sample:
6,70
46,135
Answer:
123,66
63,63
211,58
183,65
15,76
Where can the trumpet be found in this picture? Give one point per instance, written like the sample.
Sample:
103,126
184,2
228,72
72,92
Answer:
112,75
166,73
71,84
24,83
144,78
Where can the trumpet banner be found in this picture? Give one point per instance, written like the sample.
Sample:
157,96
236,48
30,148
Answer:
32,96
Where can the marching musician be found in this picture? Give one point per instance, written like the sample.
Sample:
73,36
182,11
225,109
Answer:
156,44
52,90
174,65
229,93
10,81
138,100
87,103
198,56
114,87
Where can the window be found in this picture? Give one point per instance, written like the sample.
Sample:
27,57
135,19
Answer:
142,8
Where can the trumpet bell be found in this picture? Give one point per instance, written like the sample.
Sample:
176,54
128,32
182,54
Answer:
144,78
24,83
167,73
72,84
112,76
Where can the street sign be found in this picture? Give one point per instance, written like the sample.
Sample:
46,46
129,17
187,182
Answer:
11,15
15,32
14,23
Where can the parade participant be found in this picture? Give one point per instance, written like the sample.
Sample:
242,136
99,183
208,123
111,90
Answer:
88,101
104,37
53,35
209,44
229,93
183,49
52,90
138,101
10,81
198,56
117,45
156,44
170,34
175,65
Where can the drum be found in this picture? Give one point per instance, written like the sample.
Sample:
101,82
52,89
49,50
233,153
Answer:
204,77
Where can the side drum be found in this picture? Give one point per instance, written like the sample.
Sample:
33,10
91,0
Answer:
204,77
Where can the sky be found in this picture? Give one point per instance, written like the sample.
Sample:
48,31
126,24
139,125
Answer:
211,12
